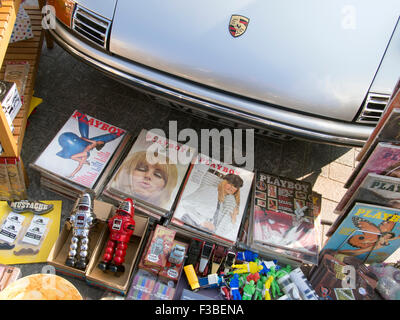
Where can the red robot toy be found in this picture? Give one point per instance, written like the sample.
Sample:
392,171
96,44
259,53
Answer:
121,227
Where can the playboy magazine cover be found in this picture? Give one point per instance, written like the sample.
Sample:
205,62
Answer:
153,170
214,198
283,214
81,150
369,232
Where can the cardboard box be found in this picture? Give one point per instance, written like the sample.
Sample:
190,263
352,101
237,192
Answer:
152,269
170,271
59,253
159,248
10,101
108,280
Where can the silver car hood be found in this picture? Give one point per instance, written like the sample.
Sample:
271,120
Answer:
311,56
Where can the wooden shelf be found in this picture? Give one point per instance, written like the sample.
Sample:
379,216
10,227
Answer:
8,14
26,50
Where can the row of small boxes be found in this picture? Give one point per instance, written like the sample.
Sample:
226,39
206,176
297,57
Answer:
158,256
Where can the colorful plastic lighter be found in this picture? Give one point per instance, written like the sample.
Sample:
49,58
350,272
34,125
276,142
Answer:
191,277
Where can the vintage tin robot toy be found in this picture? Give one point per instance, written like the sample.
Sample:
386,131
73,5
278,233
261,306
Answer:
121,227
81,220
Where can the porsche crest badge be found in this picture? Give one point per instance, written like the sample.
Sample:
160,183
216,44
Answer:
238,25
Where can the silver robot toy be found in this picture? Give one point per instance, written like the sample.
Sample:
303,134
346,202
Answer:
81,220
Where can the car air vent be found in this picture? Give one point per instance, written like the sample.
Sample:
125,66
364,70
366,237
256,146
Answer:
91,26
373,108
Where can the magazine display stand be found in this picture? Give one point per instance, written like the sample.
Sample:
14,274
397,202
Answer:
22,50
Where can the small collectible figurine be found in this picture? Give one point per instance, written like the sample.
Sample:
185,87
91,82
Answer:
225,293
121,227
267,286
246,255
81,220
258,294
242,279
276,291
248,290
252,267
234,284
253,276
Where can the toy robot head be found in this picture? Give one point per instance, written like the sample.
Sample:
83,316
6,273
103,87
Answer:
85,202
126,207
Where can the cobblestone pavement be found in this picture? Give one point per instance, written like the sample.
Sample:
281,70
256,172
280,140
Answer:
66,84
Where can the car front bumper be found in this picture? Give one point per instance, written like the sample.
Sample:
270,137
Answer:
210,101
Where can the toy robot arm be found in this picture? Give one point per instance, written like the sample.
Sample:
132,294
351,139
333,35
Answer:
128,225
68,223
95,220
92,220
71,220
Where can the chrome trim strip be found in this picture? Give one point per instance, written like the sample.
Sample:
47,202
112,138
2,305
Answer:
261,115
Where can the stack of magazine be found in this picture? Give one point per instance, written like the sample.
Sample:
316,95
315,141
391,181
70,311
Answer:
152,174
374,185
213,201
374,189
283,220
81,156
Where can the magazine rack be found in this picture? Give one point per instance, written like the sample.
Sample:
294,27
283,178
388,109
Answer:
27,50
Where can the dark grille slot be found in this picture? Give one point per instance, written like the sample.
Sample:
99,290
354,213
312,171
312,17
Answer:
91,26
376,106
89,30
90,23
89,36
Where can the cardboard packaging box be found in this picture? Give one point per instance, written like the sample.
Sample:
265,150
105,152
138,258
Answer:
10,100
173,271
159,248
152,269
108,280
59,253
168,271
